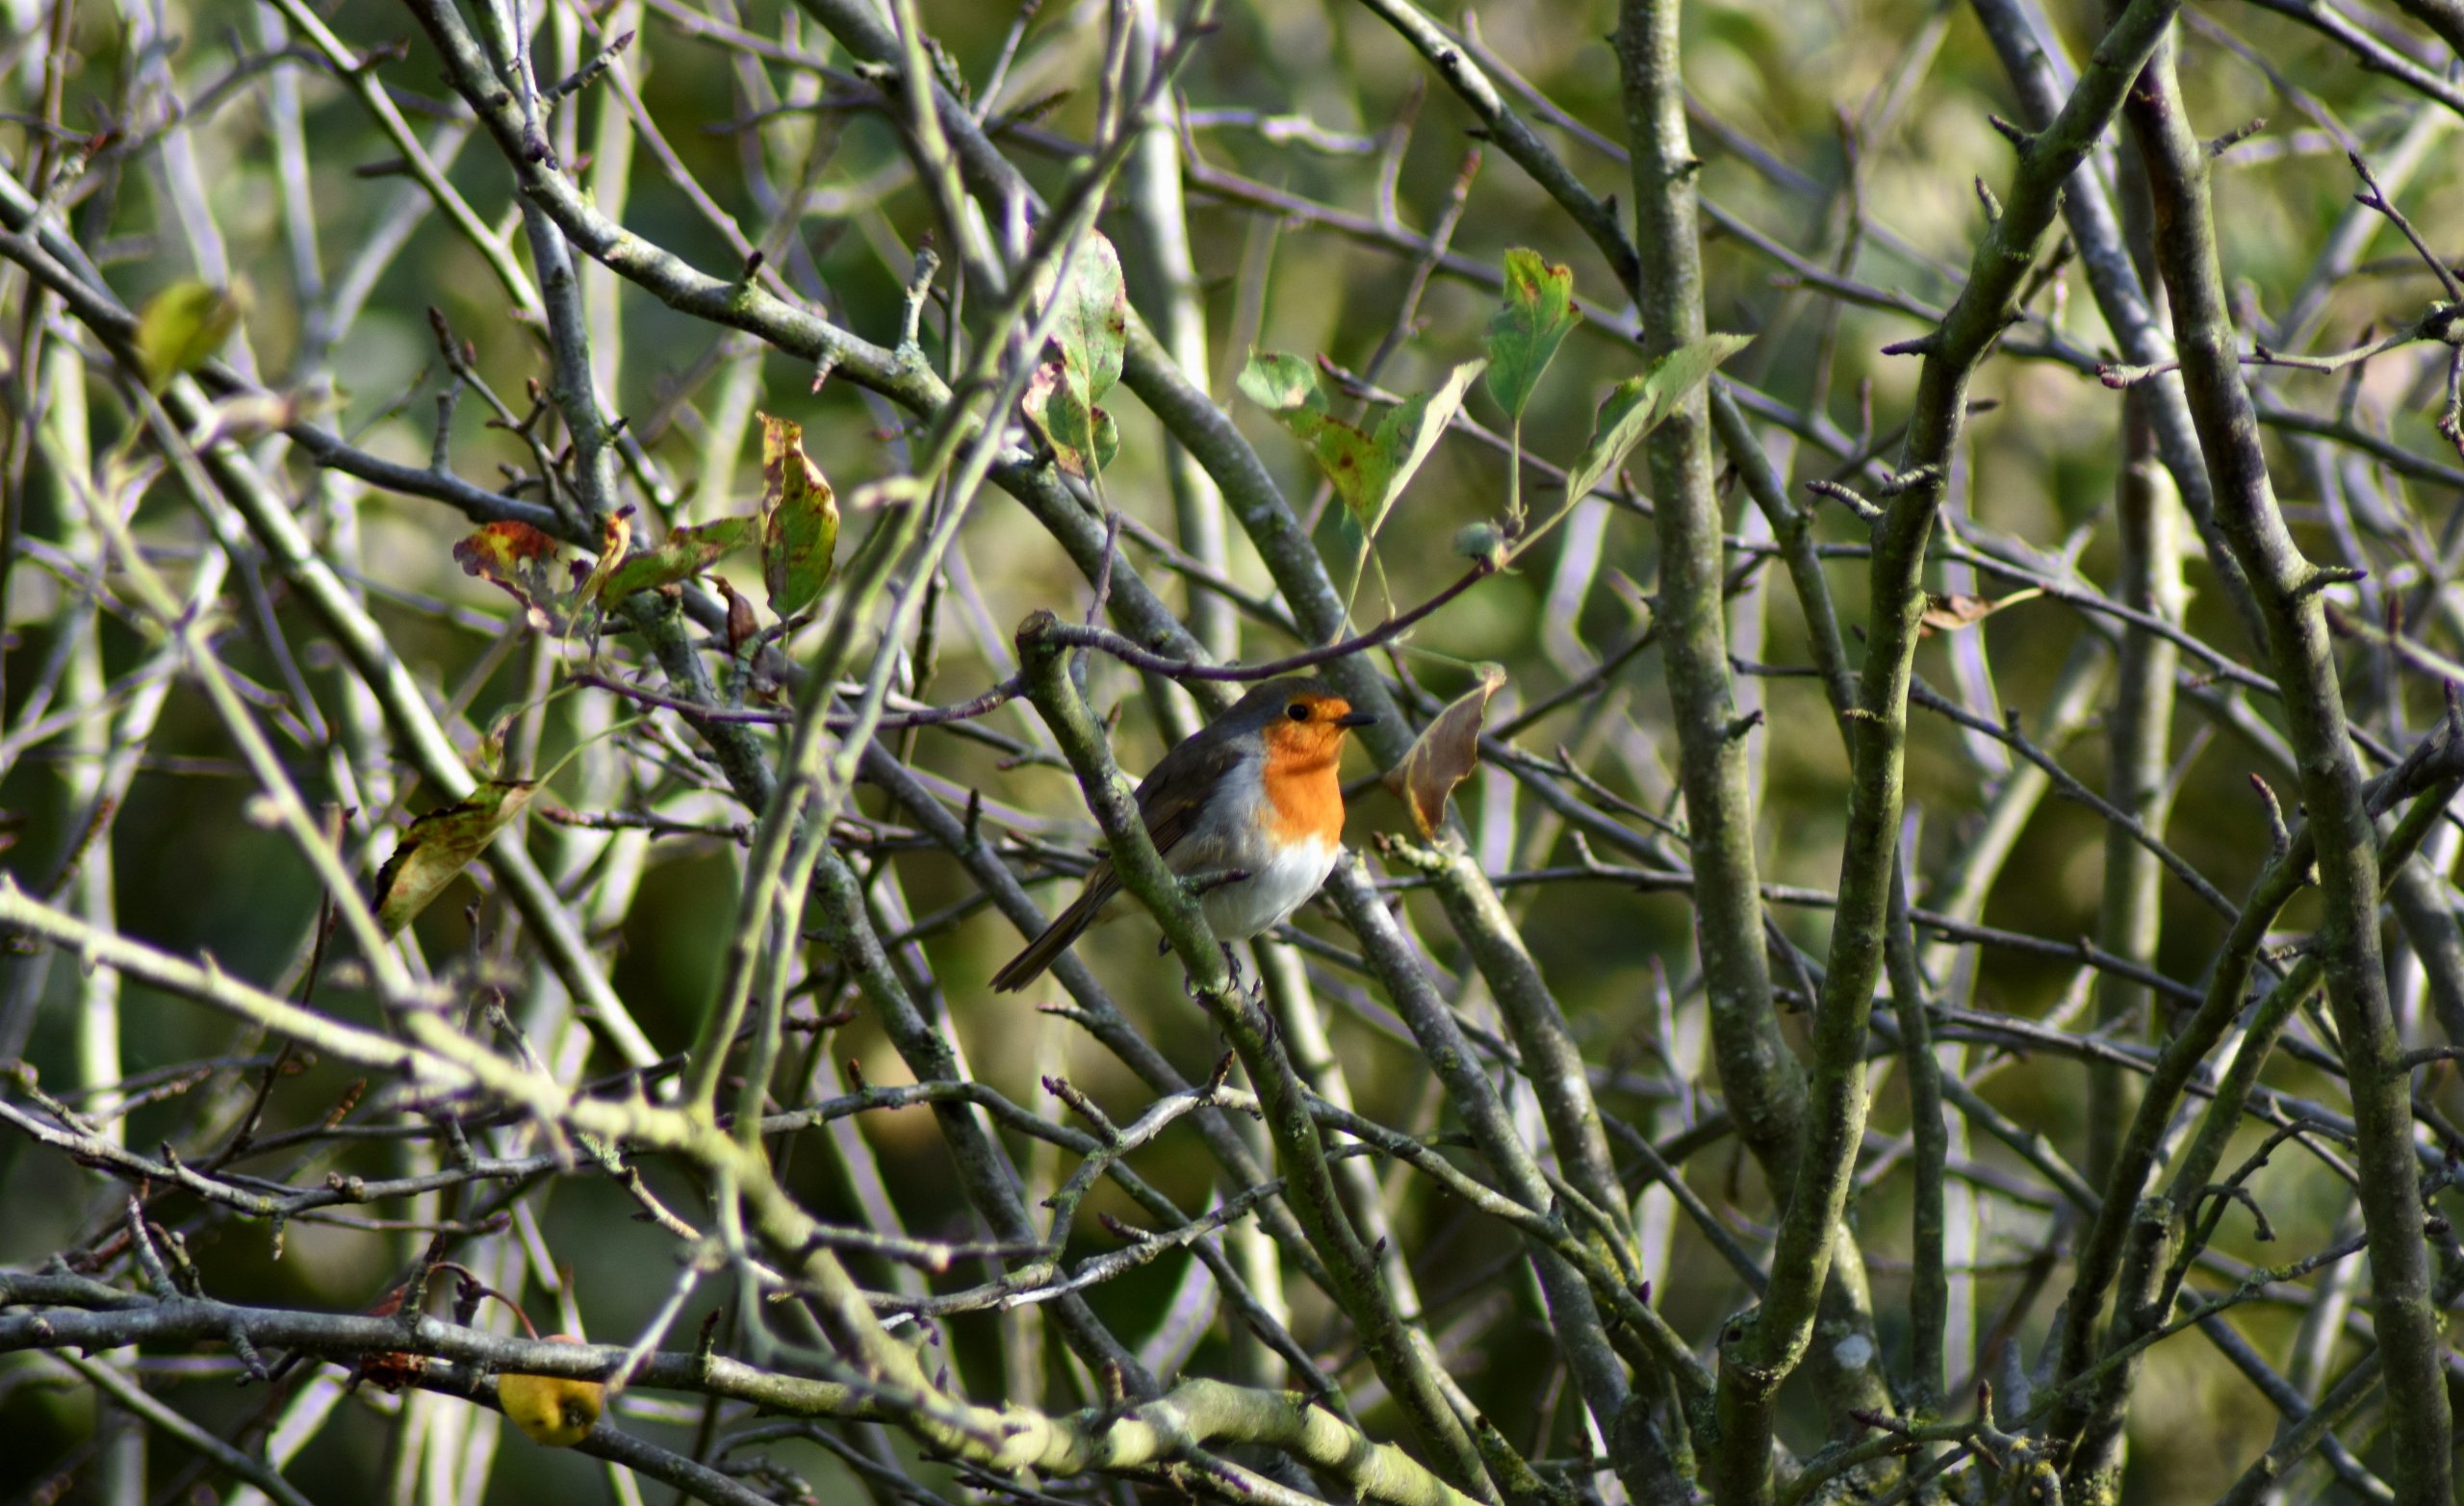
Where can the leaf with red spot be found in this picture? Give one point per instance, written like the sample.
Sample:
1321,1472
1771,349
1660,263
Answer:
1091,326
521,560
1524,334
1369,469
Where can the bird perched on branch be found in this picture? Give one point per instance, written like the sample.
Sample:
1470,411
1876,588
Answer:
1251,801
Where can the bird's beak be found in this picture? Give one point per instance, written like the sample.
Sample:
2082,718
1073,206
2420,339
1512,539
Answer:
1356,719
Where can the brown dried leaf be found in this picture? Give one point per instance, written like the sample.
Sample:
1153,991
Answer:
1948,613
1446,751
741,622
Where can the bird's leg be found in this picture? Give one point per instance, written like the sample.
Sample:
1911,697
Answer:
1231,963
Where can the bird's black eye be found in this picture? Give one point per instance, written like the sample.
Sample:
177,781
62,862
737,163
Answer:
1298,711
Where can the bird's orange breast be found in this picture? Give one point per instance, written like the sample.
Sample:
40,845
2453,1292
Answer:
1304,795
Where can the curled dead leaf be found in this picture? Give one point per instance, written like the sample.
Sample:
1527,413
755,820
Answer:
1949,612
1446,753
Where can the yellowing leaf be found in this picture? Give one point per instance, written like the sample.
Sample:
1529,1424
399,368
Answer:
615,538
1524,332
184,324
1446,753
687,551
558,1411
441,844
521,560
799,519
1083,440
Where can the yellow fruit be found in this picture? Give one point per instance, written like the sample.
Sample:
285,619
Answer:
554,1410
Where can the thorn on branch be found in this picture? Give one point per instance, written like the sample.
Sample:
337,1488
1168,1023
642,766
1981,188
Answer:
2236,136
2321,577
2022,140
2375,198
1909,480
2237,1192
1847,496
587,74
1080,1104
1992,205
2280,836
392,50
919,287
2120,377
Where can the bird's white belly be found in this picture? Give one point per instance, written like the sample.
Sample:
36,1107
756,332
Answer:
1270,895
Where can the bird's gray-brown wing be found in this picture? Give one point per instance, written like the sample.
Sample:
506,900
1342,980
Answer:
1172,801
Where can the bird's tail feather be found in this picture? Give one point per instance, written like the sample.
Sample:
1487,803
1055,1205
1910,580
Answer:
1065,927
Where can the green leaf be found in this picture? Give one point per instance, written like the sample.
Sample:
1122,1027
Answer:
1107,439
1090,331
1280,383
799,520
183,325
1407,435
687,552
1636,406
521,560
1093,325
1688,367
441,844
1527,327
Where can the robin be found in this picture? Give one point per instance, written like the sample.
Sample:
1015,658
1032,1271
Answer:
1253,793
